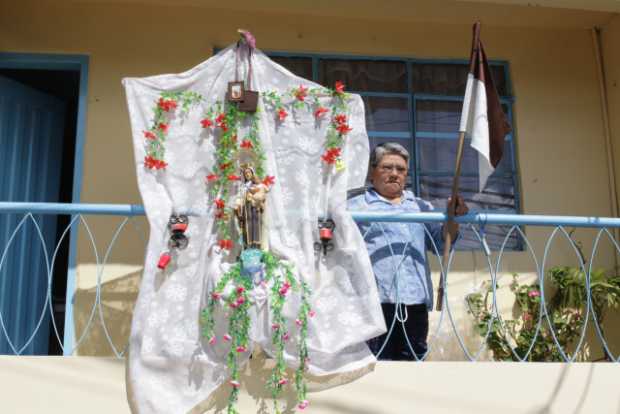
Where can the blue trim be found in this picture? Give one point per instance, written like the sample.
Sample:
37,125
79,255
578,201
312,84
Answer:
447,135
390,134
128,210
383,94
480,218
77,63
315,70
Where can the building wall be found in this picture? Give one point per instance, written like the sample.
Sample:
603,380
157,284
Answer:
611,58
96,385
560,145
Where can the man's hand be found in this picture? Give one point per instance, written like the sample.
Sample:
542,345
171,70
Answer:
460,209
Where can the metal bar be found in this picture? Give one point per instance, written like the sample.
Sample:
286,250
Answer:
482,218
72,208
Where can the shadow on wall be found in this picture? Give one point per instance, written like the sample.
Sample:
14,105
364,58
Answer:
118,294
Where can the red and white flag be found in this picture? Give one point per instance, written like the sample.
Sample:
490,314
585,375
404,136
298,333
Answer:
483,119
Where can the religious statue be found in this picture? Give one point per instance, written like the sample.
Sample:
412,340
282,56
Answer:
249,208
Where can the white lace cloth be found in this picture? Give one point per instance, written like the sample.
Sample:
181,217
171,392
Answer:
171,368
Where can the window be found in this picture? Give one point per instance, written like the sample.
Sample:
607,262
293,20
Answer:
418,104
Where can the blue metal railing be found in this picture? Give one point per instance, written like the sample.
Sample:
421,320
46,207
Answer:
558,223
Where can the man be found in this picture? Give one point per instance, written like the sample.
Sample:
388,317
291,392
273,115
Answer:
398,253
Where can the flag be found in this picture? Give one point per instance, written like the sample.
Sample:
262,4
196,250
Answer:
483,119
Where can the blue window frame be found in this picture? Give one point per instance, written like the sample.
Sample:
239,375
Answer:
417,102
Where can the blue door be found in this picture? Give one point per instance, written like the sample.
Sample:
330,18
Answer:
31,139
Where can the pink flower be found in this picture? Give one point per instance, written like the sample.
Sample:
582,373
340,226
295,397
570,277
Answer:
311,313
283,290
234,305
533,293
227,337
320,112
213,340
275,326
286,336
240,300
234,384
241,348
302,405
216,295
282,114
282,381
298,322
240,290
301,93
527,316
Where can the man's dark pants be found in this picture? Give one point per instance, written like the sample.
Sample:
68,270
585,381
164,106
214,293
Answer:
416,326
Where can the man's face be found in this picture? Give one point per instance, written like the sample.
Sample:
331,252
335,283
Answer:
389,176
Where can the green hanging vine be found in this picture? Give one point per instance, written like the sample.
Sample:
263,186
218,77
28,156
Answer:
222,120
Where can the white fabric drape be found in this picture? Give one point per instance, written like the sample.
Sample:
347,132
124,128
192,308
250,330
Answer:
171,368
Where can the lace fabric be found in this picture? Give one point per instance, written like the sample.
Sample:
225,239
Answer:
171,368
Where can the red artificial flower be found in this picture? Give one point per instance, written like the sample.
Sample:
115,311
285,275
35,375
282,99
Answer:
224,166
340,119
269,180
149,135
219,203
246,144
331,155
154,163
167,104
220,214
343,129
163,127
211,177
221,122
206,123
301,93
233,177
320,112
226,244
282,114
339,87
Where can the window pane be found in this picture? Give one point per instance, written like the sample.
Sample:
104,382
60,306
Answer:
438,116
439,155
386,114
300,66
449,79
364,75
498,196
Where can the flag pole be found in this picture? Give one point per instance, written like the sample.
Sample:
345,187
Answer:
451,212
451,208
